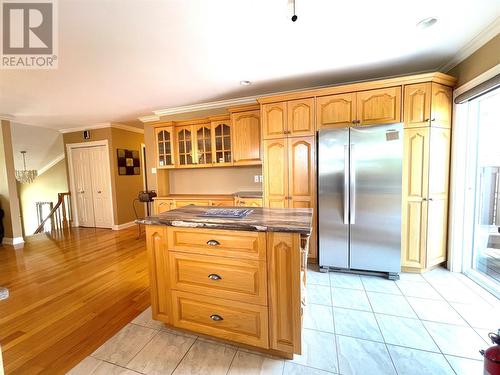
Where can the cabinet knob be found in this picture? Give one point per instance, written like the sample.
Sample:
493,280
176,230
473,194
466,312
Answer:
99,192
427,120
213,242
424,199
216,318
214,276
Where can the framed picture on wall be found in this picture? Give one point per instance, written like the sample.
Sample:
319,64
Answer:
129,162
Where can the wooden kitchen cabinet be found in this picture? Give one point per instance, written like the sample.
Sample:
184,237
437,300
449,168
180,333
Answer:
292,118
161,205
165,147
427,104
369,107
290,176
185,146
382,106
222,153
203,141
336,111
247,202
425,197
246,136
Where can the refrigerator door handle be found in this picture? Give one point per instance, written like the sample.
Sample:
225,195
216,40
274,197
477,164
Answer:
346,184
352,190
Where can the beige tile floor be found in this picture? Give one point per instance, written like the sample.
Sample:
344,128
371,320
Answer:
434,323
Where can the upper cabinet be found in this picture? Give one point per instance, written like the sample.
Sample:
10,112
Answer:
427,104
382,106
336,111
221,142
203,133
370,107
292,118
185,146
245,123
165,148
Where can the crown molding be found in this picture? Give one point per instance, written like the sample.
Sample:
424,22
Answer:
45,168
103,126
492,30
199,107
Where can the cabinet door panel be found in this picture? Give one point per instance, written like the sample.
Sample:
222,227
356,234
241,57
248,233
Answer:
301,171
274,120
276,173
382,106
246,137
417,105
439,163
301,117
441,106
415,189
156,245
203,138
222,153
283,264
185,140
163,205
165,147
335,111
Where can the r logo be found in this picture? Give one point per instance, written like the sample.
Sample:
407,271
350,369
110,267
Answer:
27,28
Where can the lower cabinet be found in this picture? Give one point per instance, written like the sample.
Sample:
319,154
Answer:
250,291
425,197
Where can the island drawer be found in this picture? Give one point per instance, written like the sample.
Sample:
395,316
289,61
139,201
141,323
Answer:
229,320
236,279
227,243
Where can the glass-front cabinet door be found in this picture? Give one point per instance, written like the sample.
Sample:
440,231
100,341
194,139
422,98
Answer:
185,146
165,147
221,141
203,145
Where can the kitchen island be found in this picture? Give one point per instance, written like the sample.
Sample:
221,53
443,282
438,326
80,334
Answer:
236,279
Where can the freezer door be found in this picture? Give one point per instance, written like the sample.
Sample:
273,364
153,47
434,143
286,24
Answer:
333,197
375,196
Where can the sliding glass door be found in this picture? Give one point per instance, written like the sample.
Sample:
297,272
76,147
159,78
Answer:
482,259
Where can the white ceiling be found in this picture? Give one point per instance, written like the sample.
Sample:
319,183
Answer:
121,59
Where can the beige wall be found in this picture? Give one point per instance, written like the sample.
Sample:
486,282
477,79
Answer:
125,188
44,189
480,61
214,180
187,181
9,200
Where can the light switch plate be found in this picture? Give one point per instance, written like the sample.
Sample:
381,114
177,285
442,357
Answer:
260,178
256,178
153,170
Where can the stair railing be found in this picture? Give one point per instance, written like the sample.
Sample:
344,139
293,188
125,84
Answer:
59,216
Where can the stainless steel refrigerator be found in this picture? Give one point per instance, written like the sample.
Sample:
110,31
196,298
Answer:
359,198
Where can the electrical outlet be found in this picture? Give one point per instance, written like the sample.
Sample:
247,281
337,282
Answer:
260,178
153,170
256,178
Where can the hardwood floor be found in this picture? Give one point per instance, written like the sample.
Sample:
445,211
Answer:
68,296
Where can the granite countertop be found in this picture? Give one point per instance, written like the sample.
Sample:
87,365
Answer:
295,220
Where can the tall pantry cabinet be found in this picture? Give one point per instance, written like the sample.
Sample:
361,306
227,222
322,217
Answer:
288,132
426,166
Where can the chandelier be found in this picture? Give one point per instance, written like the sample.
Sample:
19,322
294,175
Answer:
26,176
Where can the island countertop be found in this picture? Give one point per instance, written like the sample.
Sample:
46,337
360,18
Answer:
293,220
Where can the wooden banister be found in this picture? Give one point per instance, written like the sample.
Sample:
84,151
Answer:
59,216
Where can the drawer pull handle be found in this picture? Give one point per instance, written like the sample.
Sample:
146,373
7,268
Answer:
214,276
216,318
213,242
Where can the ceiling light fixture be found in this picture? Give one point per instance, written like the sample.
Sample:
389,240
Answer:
26,176
426,23
245,83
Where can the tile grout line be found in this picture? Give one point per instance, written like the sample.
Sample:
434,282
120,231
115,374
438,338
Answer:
380,330
426,330
140,350
184,356
232,360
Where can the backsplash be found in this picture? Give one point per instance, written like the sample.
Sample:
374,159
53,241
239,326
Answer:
225,180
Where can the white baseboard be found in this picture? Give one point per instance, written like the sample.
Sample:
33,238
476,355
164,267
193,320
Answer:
124,225
13,241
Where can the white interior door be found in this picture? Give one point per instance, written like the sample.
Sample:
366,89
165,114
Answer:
83,187
101,187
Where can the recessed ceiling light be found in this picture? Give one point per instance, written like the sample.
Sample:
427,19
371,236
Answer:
426,23
245,83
